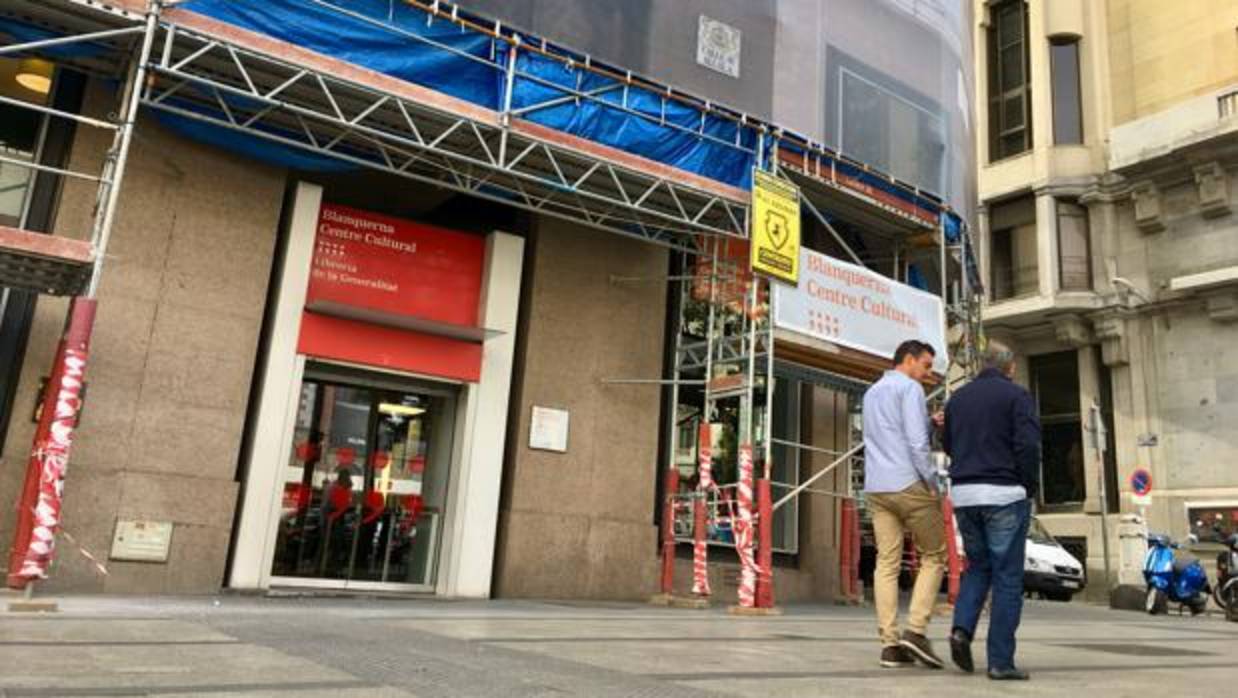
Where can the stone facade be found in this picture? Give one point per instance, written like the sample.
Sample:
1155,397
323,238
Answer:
1154,331
180,312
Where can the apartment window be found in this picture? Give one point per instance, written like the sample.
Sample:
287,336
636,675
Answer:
1010,109
1074,247
1013,267
1055,384
1067,94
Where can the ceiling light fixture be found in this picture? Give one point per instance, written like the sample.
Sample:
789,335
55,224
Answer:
401,410
35,74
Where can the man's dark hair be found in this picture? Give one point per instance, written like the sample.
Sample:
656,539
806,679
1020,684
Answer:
913,348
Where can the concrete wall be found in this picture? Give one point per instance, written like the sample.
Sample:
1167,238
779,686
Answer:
180,310
580,524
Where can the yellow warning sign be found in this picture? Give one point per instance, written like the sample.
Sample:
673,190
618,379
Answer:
774,227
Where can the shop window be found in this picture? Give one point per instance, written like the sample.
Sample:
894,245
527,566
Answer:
1074,247
1010,109
1212,522
1067,98
691,316
1055,385
1013,255
725,441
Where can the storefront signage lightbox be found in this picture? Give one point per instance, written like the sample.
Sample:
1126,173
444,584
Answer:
392,293
857,308
395,267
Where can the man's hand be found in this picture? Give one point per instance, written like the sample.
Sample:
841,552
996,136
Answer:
939,419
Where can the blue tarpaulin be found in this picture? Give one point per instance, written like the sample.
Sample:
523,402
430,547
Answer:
633,119
377,34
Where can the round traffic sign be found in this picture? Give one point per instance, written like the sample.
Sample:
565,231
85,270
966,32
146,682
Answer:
1141,482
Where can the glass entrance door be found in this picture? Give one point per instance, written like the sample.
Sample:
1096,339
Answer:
365,483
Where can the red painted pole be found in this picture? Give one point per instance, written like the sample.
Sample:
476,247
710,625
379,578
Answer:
53,440
668,531
765,544
844,548
953,564
856,551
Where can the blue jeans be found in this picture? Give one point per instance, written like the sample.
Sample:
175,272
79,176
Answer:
995,540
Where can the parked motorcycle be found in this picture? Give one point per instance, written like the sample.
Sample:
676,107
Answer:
1172,578
1226,591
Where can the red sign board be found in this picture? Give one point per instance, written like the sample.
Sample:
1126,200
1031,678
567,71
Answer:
394,293
394,267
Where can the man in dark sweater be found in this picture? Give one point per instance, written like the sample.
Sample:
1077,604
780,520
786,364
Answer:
992,435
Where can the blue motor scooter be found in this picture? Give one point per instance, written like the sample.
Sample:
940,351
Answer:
1169,577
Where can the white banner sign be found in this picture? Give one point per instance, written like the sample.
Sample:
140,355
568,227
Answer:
859,309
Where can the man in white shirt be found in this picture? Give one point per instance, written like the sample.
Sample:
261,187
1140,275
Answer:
900,487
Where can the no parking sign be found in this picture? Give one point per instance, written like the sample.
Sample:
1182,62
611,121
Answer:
1141,487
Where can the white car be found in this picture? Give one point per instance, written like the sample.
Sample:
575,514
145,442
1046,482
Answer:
1049,570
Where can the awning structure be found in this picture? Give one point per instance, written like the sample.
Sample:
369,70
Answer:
466,104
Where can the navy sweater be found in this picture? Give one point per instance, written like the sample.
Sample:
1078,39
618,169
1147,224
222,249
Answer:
992,434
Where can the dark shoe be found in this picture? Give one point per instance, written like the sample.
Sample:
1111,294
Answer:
1010,674
960,651
896,657
920,648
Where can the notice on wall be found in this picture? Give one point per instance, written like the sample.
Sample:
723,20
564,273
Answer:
775,227
142,541
857,308
717,46
548,429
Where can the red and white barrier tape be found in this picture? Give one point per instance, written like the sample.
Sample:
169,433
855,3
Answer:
53,457
700,550
744,538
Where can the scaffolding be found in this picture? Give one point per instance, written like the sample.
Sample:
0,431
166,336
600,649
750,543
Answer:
181,65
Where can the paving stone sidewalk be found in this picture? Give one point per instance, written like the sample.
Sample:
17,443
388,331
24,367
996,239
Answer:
373,647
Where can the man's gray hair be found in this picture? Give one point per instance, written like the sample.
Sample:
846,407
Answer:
997,355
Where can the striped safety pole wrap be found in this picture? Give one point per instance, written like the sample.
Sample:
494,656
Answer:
953,564
765,550
52,445
743,530
705,475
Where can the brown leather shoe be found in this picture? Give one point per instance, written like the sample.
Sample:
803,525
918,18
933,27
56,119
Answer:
920,648
895,657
